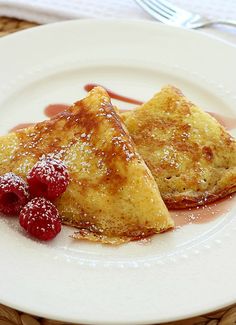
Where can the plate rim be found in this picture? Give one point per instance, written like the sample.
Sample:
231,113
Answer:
122,21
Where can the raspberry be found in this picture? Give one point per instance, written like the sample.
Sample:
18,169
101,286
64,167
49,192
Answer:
40,218
14,194
48,178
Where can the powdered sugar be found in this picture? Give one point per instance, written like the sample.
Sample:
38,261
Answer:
126,146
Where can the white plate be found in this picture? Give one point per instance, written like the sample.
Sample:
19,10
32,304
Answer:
178,274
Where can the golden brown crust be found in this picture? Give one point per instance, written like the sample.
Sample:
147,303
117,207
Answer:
191,156
111,192
84,234
182,202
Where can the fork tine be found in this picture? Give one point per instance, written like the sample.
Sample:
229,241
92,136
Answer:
169,6
154,10
159,4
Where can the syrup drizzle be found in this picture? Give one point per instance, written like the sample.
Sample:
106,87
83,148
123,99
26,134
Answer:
203,214
54,109
114,95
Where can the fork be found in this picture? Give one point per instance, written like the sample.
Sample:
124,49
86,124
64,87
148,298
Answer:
168,13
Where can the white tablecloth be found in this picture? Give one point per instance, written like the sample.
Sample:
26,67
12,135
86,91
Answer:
45,11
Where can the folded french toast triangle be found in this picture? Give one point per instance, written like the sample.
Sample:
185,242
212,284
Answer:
111,196
191,156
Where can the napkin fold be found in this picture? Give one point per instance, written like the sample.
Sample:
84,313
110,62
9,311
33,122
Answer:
46,11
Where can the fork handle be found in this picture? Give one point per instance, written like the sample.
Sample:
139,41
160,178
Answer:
214,22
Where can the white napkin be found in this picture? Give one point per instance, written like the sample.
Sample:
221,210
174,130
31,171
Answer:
46,11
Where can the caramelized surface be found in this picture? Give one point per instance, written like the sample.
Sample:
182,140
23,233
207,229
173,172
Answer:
112,196
191,156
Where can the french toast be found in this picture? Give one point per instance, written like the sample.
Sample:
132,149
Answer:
112,196
191,156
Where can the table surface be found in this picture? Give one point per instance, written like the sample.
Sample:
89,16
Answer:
9,316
